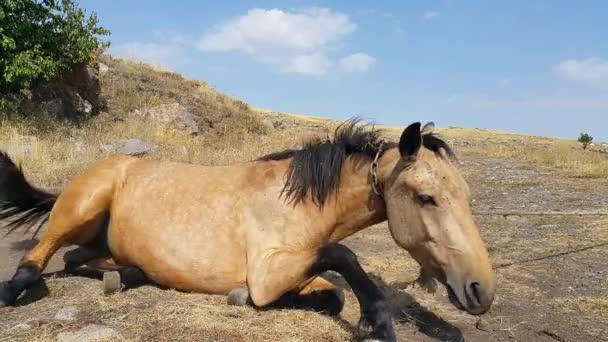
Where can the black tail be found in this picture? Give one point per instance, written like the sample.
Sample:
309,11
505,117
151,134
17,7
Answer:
21,204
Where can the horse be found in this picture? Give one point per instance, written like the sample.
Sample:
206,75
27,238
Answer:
262,232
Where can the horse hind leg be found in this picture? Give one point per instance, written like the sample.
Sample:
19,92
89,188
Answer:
91,264
34,262
78,216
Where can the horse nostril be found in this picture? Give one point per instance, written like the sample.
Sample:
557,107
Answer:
475,293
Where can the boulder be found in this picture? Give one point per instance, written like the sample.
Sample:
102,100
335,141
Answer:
267,125
53,107
74,95
69,313
103,68
90,333
131,147
173,115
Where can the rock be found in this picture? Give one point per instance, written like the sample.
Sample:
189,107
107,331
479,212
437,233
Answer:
103,68
22,326
74,95
90,333
24,150
131,147
173,115
111,282
483,325
68,313
267,125
107,148
78,105
52,107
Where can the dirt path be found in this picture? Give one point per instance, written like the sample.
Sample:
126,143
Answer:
551,285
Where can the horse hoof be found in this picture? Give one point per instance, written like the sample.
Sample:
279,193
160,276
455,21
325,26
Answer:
376,323
111,282
6,295
332,301
238,296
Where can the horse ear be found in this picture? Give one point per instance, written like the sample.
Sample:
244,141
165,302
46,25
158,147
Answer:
411,141
428,128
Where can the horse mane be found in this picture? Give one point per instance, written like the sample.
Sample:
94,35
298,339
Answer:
316,168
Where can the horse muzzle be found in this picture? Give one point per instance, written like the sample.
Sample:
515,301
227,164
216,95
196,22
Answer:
471,297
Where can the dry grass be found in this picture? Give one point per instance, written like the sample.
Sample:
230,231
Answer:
150,314
59,152
565,156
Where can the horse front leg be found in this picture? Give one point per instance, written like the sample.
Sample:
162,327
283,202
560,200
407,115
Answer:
273,277
376,319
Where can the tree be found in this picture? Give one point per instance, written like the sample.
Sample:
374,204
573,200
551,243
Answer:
585,139
40,39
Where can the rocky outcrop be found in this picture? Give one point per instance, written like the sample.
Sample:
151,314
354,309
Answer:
131,147
75,95
173,115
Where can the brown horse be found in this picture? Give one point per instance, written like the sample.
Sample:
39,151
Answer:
262,232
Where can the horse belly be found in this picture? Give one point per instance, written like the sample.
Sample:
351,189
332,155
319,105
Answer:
185,252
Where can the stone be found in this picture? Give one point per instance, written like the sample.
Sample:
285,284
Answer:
69,313
22,326
173,115
267,125
131,147
90,333
111,282
483,325
103,68
24,150
52,107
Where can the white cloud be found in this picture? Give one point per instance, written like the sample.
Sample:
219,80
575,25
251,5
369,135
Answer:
316,64
297,41
168,52
358,62
428,15
166,56
590,70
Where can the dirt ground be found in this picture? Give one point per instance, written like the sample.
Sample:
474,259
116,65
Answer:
552,280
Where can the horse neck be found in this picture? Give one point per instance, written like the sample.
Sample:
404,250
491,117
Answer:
357,206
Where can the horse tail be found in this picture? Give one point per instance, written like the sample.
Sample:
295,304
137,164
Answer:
22,205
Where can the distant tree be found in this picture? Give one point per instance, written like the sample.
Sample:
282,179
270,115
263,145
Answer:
40,39
585,139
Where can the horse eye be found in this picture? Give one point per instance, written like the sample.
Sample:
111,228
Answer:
426,200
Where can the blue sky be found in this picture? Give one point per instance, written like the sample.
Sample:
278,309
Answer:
533,67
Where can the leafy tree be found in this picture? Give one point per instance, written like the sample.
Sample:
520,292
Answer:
40,39
585,139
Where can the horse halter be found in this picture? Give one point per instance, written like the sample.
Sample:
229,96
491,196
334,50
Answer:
376,186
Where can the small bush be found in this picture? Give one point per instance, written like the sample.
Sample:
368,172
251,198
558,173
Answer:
585,139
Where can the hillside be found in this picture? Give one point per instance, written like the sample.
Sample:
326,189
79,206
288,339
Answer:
507,172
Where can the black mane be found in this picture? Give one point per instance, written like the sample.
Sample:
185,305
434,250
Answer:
317,167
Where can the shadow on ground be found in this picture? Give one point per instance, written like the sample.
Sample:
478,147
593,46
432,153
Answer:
406,309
